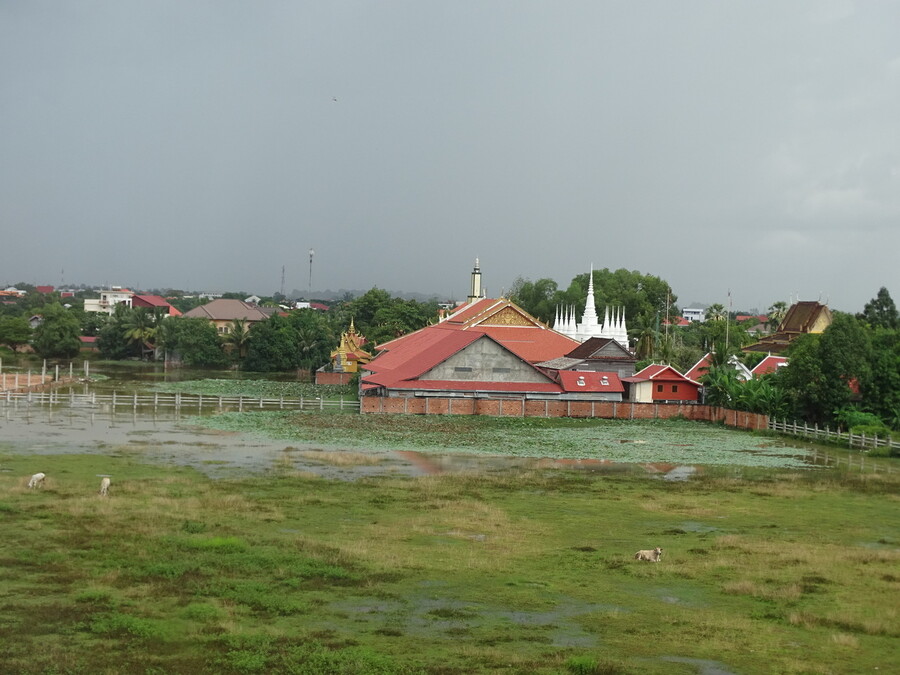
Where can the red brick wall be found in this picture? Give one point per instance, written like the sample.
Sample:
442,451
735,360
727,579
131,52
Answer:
536,408
323,377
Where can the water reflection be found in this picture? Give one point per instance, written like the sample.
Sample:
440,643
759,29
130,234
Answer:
167,437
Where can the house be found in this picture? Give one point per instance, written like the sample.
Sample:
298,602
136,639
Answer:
596,355
769,365
700,368
692,314
658,383
154,302
44,290
802,318
108,300
222,312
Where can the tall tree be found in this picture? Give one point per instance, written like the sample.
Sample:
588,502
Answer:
14,331
58,335
881,311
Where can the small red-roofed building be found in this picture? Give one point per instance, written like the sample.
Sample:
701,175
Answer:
154,302
659,383
44,289
700,368
768,365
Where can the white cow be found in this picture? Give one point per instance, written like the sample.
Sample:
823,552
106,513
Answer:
37,480
104,486
651,556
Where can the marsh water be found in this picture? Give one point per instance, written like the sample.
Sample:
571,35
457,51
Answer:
172,437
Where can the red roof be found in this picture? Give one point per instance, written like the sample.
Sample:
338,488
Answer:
659,372
44,289
700,368
579,380
88,339
154,301
769,365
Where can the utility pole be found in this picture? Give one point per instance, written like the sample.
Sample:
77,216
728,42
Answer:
282,281
311,254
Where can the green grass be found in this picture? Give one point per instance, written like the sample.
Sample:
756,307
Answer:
524,570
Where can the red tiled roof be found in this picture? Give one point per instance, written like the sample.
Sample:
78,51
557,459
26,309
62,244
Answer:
658,371
769,365
88,339
578,380
700,368
44,289
154,301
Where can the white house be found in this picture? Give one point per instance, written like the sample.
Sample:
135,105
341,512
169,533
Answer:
108,300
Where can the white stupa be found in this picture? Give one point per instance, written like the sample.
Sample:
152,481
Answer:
613,325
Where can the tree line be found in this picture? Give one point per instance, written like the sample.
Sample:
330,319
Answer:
288,340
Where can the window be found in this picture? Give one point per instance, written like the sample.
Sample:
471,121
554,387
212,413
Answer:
674,388
462,369
501,370
659,388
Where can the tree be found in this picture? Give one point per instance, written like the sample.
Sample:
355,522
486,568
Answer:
825,371
273,346
14,331
58,335
776,314
238,339
139,326
716,312
196,342
881,311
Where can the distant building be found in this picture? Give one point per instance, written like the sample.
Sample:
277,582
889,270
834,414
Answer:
694,314
108,300
802,318
223,311
154,302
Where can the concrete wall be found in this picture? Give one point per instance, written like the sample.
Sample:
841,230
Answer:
623,410
484,361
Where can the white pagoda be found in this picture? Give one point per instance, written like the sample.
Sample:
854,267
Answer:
613,325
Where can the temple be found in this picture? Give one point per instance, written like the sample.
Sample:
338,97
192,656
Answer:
613,326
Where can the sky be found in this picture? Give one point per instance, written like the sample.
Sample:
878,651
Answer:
749,146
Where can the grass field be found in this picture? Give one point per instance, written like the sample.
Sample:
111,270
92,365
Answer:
518,571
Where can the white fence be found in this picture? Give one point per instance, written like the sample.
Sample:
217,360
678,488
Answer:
860,441
181,402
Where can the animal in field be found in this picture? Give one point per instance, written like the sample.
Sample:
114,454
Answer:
104,486
37,480
651,556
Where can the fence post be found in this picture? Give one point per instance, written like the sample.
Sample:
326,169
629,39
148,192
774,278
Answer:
114,401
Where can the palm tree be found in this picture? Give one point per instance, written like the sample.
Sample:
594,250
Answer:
776,314
238,338
140,328
716,312
307,343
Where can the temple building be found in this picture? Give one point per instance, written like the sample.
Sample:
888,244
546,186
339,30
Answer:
346,359
613,326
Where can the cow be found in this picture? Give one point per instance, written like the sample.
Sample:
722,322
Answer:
37,480
651,556
104,486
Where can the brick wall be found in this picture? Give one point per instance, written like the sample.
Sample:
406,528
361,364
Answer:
623,410
323,377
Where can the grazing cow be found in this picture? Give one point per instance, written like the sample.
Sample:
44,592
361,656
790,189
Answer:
652,556
37,480
104,486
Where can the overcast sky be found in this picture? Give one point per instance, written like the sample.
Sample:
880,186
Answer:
744,145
